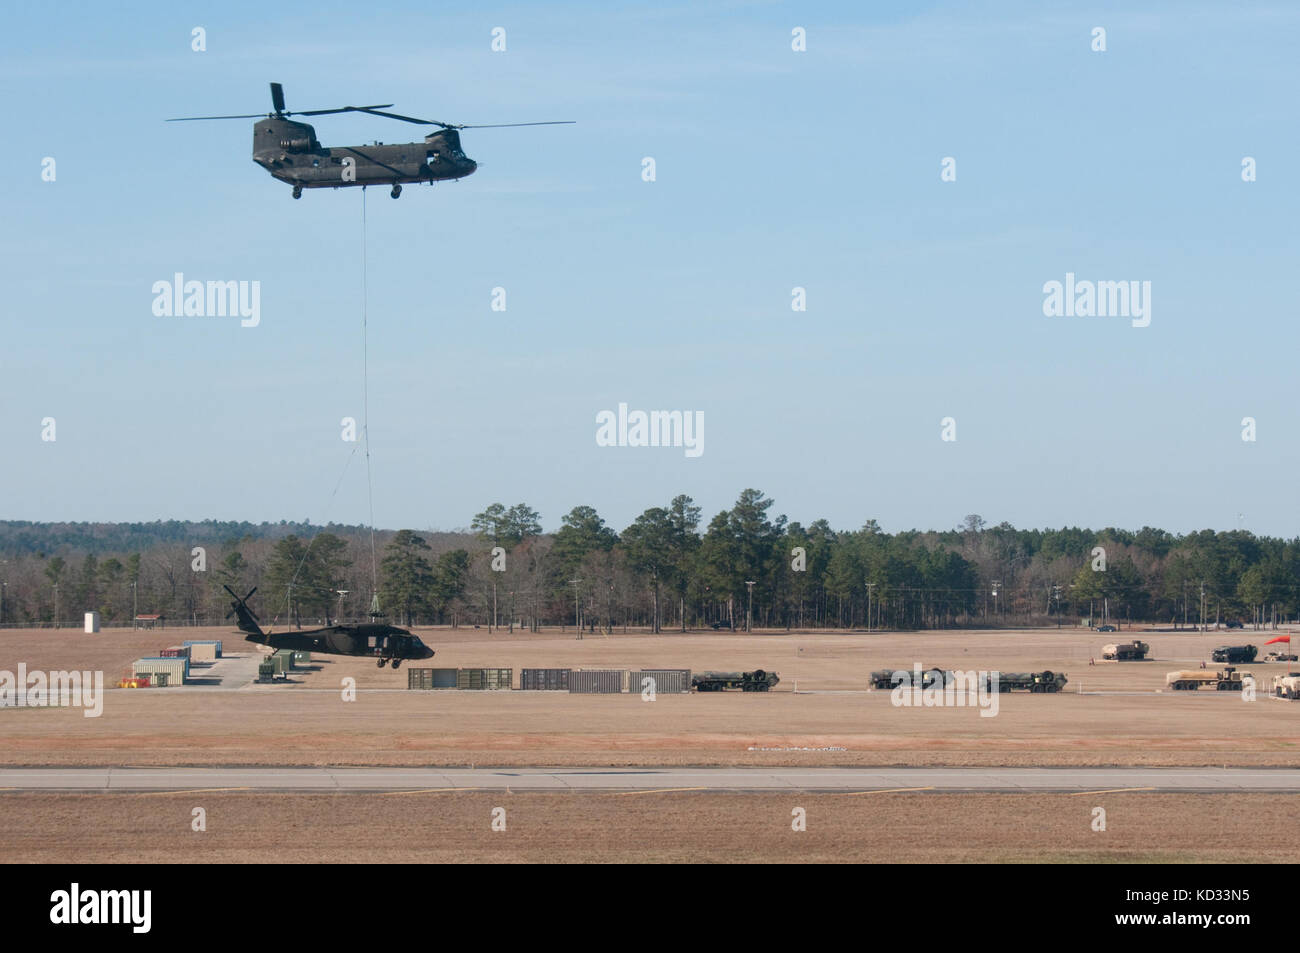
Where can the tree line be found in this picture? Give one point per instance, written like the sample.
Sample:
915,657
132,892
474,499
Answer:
666,570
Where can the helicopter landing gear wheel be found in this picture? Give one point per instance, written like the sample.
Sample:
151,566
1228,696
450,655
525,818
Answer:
297,191
397,190
396,662
382,662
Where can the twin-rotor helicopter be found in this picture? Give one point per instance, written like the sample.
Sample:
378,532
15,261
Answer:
291,152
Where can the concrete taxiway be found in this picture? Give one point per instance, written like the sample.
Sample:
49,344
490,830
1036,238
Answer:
612,780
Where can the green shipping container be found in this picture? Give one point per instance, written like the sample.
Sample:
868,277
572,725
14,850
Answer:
430,679
301,658
484,679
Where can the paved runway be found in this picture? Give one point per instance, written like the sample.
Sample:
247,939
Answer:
613,780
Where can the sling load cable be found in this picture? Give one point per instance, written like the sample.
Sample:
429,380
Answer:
365,409
307,552
365,430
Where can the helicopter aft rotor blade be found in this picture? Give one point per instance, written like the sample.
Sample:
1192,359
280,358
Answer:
504,125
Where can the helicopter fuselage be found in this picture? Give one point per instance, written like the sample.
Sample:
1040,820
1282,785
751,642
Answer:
291,152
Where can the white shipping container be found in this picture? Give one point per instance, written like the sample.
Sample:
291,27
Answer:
174,667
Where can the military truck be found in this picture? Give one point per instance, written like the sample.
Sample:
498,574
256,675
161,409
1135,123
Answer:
1135,651
1234,654
893,677
1286,686
1279,657
1229,680
1036,682
755,681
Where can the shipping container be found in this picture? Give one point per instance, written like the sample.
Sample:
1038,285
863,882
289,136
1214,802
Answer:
430,679
484,679
667,681
283,661
177,668
202,653
596,681
544,679
213,642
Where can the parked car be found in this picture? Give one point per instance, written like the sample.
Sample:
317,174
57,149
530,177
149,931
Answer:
1233,624
723,625
1107,628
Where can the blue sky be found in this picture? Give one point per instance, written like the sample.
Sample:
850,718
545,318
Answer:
775,169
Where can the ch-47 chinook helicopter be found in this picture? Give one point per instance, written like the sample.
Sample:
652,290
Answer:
386,643
291,152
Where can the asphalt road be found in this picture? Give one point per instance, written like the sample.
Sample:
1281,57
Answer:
615,780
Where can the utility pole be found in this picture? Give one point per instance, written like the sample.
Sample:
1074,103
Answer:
56,605
1056,592
749,612
1202,605
870,586
997,584
577,624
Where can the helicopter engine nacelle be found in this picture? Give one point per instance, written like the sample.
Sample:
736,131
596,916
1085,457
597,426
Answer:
296,145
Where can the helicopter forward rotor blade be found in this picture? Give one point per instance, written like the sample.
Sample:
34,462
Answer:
341,109
374,111
277,97
196,118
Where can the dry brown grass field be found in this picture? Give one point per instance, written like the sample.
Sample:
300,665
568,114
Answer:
306,722
656,828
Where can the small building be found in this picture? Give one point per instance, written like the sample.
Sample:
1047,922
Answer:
148,621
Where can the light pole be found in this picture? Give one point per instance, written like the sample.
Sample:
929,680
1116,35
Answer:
1056,593
749,612
997,584
870,586
577,623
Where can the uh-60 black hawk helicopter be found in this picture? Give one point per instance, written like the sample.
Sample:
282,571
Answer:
386,643
291,152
